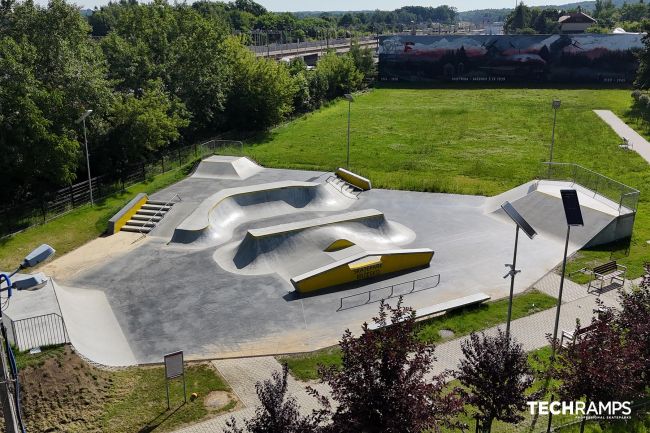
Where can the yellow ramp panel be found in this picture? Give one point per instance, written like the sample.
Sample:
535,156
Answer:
354,179
361,267
338,245
116,223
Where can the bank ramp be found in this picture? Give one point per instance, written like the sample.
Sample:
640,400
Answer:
226,167
540,203
297,247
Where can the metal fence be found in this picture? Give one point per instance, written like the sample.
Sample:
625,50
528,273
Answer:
59,202
625,196
388,292
307,45
38,331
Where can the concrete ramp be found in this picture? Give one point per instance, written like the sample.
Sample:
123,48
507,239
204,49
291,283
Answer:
92,327
295,248
362,266
226,167
545,213
213,221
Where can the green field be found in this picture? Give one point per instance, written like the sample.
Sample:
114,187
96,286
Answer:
81,225
467,141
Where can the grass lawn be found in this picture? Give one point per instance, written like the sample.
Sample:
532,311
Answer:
461,322
81,225
63,393
467,141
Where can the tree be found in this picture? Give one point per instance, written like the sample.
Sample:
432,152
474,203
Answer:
633,320
262,90
250,6
518,20
278,413
142,125
610,359
383,385
600,366
51,73
34,153
340,74
496,374
363,59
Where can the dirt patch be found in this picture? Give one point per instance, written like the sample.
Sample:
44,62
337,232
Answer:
218,400
95,252
64,394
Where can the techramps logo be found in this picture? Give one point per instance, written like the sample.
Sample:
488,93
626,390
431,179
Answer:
603,410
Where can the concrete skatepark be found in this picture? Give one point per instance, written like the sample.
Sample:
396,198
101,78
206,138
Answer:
214,277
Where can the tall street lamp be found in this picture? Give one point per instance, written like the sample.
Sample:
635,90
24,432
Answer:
350,100
530,232
10,400
556,104
82,119
573,218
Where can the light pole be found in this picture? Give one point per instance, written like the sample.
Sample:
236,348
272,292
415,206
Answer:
350,100
530,232
82,119
9,398
573,218
556,104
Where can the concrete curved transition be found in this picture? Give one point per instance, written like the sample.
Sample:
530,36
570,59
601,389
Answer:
214,220
226,167
299,247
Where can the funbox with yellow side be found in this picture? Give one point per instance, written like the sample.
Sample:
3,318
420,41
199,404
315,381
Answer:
362,266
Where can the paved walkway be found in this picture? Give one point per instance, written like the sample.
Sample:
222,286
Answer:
639,144
531,331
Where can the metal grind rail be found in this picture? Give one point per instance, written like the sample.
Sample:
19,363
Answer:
394,291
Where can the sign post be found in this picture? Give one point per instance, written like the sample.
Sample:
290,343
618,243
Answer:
174,368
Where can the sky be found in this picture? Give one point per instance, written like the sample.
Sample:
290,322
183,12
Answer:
343,5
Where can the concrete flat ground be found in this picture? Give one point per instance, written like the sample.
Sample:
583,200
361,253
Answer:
167,297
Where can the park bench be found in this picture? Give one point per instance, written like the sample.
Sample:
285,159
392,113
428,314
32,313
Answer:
569,337
610,270
626,145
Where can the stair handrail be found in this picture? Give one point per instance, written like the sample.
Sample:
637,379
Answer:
140,230
354,193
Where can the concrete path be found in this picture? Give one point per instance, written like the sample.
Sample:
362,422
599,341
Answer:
639,144
531,331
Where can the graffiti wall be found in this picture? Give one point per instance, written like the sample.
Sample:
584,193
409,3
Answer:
583,58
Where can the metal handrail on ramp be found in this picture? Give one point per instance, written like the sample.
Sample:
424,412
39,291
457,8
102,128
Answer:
435,281
356,192
157,214
625,196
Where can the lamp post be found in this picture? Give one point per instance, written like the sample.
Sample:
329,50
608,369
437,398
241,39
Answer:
555,104
10,400
350,100
530,232
573,218
82,119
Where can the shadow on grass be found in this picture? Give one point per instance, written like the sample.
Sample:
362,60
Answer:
158,421
507,85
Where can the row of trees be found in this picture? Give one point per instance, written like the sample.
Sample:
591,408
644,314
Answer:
385,383
161,76
531,20
633,17
244,16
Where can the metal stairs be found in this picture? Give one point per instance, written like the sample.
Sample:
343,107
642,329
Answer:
147,217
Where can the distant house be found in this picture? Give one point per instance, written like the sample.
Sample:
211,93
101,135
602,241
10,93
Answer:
577,22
